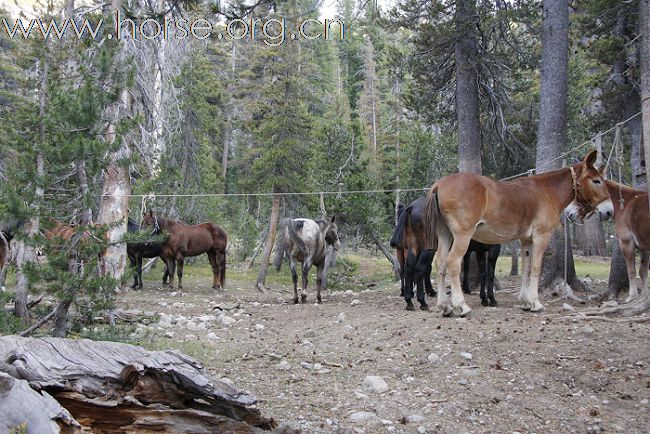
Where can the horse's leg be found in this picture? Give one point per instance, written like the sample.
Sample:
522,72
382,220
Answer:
453,262
409,274
482,271
420,273
627,248
427,274
319,279
171,268
306,266
401,260
540,243
294,277
444,242
138,270
212,257
493,255
526,251
466,259
166,272
221,262
643,271
181,262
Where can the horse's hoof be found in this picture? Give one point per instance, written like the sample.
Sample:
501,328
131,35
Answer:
424,307
409,306
537,307
493,303
447,311
464,311
318,300
295,301
484,303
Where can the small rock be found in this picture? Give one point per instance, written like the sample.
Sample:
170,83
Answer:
644,401
259,327
318,366
310,334
190,337
348,328
386,422
588,329
421,430
463,381
415,418
340,317
324,371
283,366
433,358
201,326
169,334
361,395
362,416
610,303
466,356
567,306
468,373
355,302
213,336
307,365
227,321
376,384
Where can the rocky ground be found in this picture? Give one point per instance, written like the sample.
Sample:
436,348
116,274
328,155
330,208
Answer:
361,363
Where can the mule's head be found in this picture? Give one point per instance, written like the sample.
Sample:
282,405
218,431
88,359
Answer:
149,220
331,232
589,188
605,209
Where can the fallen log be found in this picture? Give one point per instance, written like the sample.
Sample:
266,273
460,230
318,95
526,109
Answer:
109,387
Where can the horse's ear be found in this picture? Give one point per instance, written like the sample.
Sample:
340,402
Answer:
333,218
601,170
591,157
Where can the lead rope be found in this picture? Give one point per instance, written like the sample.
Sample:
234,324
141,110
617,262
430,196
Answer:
619,162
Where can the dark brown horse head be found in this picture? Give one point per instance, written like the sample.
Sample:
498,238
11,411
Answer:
149,220
589,188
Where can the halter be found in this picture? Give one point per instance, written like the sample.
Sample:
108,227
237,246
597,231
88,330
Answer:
156,226
576,195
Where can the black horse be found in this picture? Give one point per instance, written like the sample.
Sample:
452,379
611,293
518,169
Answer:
412,253
138,250
486,256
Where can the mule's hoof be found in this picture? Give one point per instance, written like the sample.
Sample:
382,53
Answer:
536,307
295,301
469,291
432,294
318,300
484,303
493,303
447,311
409,306
424,307
303,298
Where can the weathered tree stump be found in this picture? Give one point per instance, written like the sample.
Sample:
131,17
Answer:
109,387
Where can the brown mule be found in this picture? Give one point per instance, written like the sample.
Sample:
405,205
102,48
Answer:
465,206
629,207
190,240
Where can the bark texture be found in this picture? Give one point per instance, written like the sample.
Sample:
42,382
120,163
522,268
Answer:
467,106
113,387
270,241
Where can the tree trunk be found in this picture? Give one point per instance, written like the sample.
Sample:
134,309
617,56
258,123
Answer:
270,240
86,210
387,253
644,30
467,108
589,237
514,253
113,387
116,189
552,131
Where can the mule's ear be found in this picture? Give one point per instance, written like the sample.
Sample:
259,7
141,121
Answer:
601,170
333,218
590,159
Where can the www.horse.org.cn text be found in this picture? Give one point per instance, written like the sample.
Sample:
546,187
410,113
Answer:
272,31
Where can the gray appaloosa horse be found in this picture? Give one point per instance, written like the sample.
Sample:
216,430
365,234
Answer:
308,241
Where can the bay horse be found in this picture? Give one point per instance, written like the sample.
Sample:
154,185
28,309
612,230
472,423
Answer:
486,256
409,240
185,240
306,241
466,205
143,249
629,208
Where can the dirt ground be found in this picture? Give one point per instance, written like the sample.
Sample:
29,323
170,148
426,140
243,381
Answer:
307,363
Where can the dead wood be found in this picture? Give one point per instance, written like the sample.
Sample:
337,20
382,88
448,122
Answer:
110,387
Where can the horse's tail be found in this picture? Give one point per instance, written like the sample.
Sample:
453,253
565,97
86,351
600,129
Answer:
432,218
400,227
293,227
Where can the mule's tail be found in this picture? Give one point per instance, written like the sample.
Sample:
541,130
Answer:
293,227
432,218
400,227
